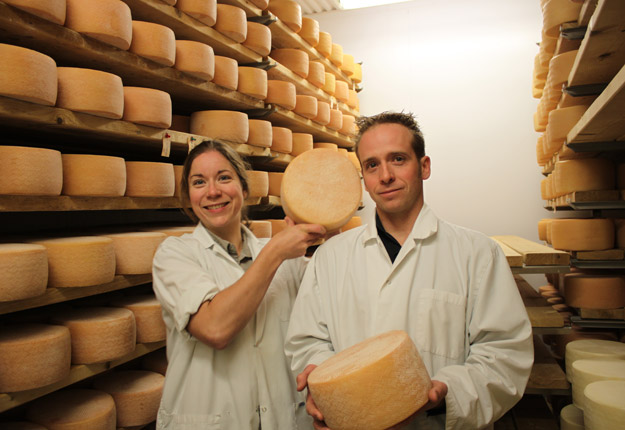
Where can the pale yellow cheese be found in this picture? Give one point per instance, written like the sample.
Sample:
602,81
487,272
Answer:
90,91
316,74
253,82
154,41
600,349
557,12
542,228
341,91
592,291
79,261
30,171
226,125
231,22
349,65
282,140
27,75
605,405
351,156
323,113
586,371
327,145
302,142
325,44
134,251
180,123
108,21
226,72
275,182
281,93
310,31
386,369
571,418
586,174
99,334
295,60
560,122
354,222
321,186
93,175
288,11
204,11
195,58
33,356
147,106
336,119
148,314
349,125
357,76
261,229
329,85
260,133
137,394
582,234
559,68
305,106
149,179
23,271
155,361
51,10
277,225
352,100
336,56
258,183
74,409
258,38
262,4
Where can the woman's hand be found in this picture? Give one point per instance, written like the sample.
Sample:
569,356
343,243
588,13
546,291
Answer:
293,241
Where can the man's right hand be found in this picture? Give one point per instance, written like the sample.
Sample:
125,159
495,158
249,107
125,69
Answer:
311,408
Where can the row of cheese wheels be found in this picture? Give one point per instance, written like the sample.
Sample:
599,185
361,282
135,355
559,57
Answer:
551,145
586,290
37,354
582,234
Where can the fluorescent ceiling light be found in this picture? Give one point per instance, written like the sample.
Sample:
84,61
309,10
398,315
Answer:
356,4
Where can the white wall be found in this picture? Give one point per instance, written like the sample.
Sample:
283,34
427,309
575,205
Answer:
464,68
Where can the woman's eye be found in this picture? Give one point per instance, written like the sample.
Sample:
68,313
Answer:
197,182
224,178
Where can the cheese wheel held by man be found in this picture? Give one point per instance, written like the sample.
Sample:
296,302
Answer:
374,384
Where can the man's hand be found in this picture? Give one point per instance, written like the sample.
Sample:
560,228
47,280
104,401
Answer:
311,408
436,396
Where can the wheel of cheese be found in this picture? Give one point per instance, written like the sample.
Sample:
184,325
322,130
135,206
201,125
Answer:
231,22
586,174
204,11
30,171
21,425
586,371
302,142
561,121
559,68
180,123
147,106
177,179
137,395
261,229
108,21
74,408
173,230
323,113
93,175
134,251
605,405
258,183
169,2
27,75
389,364
354,222
310,31
349,125
336,119
321,186
599,349
325,44
330,84
561,341
316,74
253,82
556,13
582,234
281,93
282,140
357,76
295,60
258,38
33,356
195,58
90,91
261,4
336,56
289,12
50,10
260,133
594,291
99,334
153,41
275,182
149,179
326,145
155,361
352,100
354,159
230,126
571,418
341,91
148,314
79,261
226,72
23,271
277,225
349,64
542,228
305,106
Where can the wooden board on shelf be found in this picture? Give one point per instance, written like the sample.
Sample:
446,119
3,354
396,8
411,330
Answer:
534,254
539,311
74,203
514,258
546,375
604,255
250,9
602,314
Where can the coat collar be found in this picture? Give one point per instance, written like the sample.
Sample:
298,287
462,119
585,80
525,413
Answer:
425,226
208,242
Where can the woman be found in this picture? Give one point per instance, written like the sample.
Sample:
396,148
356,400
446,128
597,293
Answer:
226,299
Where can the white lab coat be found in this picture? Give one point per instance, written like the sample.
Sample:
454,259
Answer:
248,381
449,288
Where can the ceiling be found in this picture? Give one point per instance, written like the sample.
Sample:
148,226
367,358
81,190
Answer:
315,6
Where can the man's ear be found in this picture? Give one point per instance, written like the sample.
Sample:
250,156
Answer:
426,165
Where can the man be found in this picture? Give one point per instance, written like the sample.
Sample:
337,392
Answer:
448,287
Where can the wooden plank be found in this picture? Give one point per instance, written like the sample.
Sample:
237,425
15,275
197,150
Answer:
605,255
592,196
546,373
71,203
534,254
602,314
514,258
539,311
250,9
588,8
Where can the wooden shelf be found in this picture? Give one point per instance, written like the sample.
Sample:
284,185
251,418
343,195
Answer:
547,377
540,312
78,373
532,253
585,200
73,203
250,9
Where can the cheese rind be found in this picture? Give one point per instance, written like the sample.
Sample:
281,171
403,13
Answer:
571,418
108,21
605,405
149,179
261,229
282,140
93,175
195,58
260,133
204,11
258,38
336,55
147,106
90,91
341,91
226,72
592,349
288,11
302,142
231,126
582,234
295,60
323,113
23,271
30,171
135,251
589,174
148,314
281,93
253,82
350,386
316,74
336,119
231,22
310,31
305,106
27,75
325,44
153,41
275,181
258,183
594,291
50,10
586,371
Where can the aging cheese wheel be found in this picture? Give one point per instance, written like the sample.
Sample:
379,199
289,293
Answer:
149,179
352,100
154,41
50,10
281,93
231,22
137,394
588,174
260,133
147,106
387,369
354,222
93,175
542,228
560,122
559,347
330,84
582,234
23,271
600,349
556,13
357,76
258,38
336,119
230,126
323,113
134,251
261,229
559,68
155,361
226,72
79,261
305,106
33,356
349,125
90,91
177,179
275,182
295,60
262,4
195,58
258,183
341,91
282,140
289,12
180,123
148,315
594,291
327,145
302,142
73,409
571,418
586,371
277,225
99,334
27,75
30,171
325,44
108,21
204,11
253,82
351,156
310,31
605,405
316,74
173,230
348,65
321,186
336,56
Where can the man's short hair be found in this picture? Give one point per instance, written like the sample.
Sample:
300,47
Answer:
408,120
